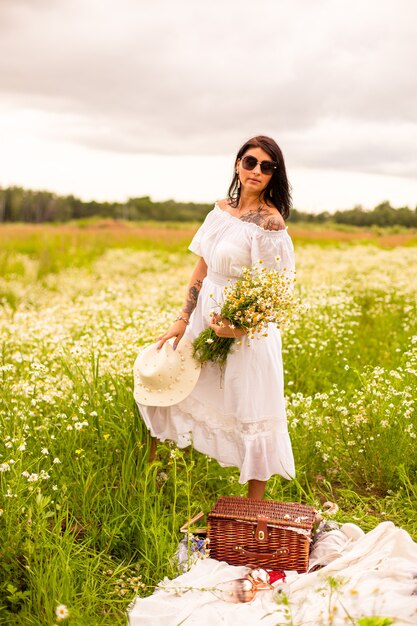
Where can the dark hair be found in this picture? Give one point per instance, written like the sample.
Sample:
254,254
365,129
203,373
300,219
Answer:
278,190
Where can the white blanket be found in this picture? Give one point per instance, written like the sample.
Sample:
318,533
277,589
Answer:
376,577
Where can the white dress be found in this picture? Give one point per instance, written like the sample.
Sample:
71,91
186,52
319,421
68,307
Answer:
237,418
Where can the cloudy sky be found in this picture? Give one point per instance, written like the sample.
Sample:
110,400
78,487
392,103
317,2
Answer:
109,100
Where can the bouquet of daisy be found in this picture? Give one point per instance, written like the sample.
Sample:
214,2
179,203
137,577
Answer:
258,297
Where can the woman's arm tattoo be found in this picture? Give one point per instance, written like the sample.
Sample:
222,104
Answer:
191,301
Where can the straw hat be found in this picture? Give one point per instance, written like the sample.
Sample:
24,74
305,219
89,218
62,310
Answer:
166,376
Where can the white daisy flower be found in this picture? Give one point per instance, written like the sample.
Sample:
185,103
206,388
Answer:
61,612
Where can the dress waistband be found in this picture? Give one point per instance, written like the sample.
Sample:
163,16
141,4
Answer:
220,279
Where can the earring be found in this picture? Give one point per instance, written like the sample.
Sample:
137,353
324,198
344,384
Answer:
238,180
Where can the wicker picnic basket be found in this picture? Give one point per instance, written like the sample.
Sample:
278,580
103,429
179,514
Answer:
260,533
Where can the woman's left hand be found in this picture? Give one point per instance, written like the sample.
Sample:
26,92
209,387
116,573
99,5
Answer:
222,328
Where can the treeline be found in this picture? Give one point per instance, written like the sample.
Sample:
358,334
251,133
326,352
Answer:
382,215
23,205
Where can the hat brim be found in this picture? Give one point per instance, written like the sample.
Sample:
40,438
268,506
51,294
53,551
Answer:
185,385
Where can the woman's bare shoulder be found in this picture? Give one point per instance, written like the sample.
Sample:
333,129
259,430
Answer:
273,221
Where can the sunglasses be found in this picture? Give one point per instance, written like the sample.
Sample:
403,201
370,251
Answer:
250,162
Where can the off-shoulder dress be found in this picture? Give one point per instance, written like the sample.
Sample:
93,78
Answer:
237,418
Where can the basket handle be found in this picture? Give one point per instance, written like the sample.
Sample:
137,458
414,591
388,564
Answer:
278,552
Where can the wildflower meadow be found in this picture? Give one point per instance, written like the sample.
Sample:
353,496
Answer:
85,522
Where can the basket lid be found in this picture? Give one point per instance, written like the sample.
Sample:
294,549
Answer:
280,513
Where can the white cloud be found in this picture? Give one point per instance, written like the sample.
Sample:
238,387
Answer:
332,80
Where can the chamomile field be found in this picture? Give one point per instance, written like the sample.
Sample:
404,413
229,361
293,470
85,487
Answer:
85,522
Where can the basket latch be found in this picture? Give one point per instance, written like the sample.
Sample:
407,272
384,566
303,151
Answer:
261,532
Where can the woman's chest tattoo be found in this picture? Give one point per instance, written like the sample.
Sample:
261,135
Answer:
262,217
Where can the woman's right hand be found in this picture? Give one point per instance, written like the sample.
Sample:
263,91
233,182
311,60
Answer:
177,330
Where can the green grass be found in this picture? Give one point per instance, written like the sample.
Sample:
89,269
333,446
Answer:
85,520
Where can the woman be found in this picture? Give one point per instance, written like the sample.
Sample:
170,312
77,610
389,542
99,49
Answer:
237,418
